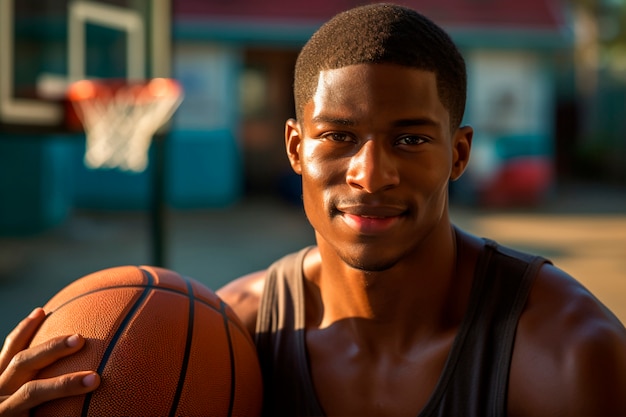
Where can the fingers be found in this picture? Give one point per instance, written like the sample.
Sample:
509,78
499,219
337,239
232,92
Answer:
25,364
33,393
20,364
19,337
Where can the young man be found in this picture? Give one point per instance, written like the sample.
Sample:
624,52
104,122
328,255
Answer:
395,311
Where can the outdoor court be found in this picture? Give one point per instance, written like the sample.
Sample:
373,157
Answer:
583,232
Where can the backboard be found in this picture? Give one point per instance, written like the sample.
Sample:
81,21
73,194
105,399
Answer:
47,44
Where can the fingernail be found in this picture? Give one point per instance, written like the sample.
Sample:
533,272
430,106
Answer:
89,380
72,340
34,313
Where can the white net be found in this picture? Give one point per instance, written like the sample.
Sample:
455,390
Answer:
120,121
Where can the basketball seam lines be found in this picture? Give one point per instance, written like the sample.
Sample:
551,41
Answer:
184,365
136,286
116,336
232,358
211,306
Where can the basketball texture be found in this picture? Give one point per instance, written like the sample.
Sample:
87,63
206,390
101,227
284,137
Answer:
163,345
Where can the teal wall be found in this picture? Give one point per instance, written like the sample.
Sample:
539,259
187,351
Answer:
36,186
43,178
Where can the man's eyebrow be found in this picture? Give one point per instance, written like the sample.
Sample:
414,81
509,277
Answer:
421,121
333,120
418,121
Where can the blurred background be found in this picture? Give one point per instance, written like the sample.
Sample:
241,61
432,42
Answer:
546,97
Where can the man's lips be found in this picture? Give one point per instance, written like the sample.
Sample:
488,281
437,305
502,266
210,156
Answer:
373,211
369,225
370,219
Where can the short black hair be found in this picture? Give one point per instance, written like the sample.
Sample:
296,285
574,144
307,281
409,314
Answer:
383,33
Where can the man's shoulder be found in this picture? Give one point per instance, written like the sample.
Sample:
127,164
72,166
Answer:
559,300
570,351
243,295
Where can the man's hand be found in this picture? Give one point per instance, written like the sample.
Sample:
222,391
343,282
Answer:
19,391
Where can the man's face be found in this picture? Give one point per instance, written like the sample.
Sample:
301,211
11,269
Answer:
376,153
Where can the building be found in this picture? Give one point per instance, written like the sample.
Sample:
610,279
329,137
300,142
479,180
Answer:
235,59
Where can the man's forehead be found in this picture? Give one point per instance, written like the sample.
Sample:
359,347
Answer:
366,67
365,90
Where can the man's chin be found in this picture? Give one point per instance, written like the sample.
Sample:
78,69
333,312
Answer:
370,265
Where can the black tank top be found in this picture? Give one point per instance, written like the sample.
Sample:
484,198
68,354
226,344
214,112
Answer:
475,377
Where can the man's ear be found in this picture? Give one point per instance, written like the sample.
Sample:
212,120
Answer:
462,145
293,137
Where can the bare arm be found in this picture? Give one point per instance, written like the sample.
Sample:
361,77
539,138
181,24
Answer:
570,353
243,295
19,390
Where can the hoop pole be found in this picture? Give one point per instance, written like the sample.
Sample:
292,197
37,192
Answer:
158,219
161,67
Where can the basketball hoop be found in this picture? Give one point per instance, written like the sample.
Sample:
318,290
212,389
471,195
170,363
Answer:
121,118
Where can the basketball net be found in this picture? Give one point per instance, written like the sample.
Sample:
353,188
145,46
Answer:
120,119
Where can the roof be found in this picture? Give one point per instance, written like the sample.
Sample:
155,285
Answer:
527,14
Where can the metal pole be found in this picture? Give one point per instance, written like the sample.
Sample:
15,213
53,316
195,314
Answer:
158,204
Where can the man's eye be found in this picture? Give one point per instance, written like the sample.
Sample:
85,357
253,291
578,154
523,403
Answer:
338,137
411,140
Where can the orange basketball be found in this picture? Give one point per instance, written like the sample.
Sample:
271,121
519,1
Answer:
163,345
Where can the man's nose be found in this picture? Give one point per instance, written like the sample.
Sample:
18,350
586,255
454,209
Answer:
372,168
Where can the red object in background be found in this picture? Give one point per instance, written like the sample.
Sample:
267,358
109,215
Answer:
538,14
522,181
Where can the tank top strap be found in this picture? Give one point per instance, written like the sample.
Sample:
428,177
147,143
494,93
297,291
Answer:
281,343
527,271
475,378
283,286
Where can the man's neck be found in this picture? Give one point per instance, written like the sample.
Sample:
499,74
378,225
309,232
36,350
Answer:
419,294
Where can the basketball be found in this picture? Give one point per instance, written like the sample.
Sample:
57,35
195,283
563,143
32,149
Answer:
162,343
